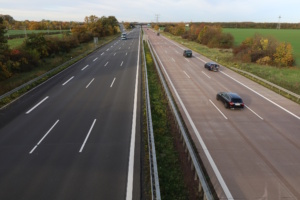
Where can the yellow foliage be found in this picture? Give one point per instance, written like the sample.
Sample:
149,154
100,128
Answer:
264,43
264,61
284,55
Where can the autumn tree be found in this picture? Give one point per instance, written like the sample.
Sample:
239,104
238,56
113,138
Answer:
179,29
284,55
38,43
81,32
4,53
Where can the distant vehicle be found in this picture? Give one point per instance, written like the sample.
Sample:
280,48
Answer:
158,34
187,53
212,66
124,36
230,100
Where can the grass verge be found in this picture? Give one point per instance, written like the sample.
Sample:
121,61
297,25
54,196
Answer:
173,180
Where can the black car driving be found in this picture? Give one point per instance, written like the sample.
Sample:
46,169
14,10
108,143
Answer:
187,53
212,66
230,100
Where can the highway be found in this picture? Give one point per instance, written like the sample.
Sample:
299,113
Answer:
249,154
77,136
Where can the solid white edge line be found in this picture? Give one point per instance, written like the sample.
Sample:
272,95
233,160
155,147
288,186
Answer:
67,81
133,132
87,136
113,82
218,109
84,67
254,113
90,83
43,137
262,96
34,107
186,74
205,74
203,145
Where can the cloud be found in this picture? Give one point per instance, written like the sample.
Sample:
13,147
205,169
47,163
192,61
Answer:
145,10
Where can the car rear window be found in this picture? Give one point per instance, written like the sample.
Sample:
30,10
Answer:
236,100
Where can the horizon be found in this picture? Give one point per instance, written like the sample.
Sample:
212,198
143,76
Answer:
256,11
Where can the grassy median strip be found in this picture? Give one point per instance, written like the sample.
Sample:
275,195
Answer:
171,178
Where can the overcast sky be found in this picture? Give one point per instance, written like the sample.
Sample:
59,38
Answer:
147,10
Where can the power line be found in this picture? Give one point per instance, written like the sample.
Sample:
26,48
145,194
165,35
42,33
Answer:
156,17
278,25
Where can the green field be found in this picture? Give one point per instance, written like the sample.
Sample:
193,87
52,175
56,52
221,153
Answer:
23,32
284,35
16,42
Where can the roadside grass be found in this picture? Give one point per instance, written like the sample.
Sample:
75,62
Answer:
288,78
14,43
45,66
171,178
23,32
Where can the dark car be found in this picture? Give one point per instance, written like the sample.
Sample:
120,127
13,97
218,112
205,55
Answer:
212,66
230,100
187,53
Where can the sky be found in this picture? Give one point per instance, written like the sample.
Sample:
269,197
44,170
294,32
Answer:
155,10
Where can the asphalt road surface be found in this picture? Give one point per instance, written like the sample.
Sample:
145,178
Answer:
77,136
252,153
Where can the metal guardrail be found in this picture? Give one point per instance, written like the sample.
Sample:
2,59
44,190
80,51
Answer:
199,175
155,189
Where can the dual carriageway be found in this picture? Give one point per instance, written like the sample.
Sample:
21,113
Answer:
78,135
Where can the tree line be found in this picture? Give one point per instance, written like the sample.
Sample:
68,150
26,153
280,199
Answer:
37,47
257,49
240,25
11,24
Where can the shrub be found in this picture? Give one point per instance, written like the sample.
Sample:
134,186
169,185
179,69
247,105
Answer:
265,51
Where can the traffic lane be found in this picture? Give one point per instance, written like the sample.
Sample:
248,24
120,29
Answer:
193,64
194,108
244,122
258,130
59,91
12,110
270,95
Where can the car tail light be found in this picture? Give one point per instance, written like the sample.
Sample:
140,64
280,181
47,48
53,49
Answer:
231,103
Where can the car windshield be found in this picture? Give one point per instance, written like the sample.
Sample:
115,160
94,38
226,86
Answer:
188,51
236,100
